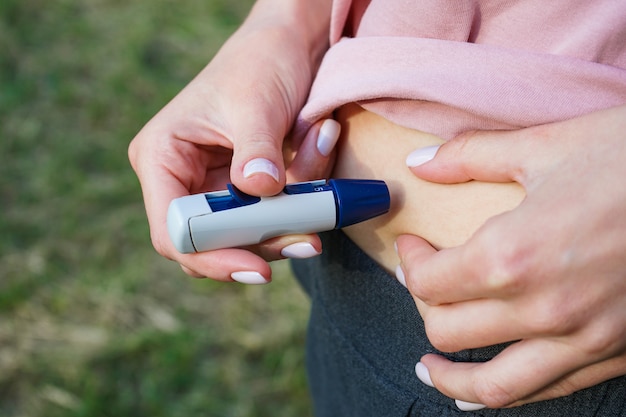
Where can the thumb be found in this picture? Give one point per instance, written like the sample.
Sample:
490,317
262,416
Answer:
484,156
257,165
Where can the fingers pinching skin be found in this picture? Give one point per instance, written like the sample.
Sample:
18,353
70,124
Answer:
547,275
485,156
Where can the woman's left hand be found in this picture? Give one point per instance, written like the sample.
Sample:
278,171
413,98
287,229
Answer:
549,276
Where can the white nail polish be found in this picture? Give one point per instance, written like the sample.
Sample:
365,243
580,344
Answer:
249,277
466,406
400,275
299,250
261,166
423,375
328,136
421,156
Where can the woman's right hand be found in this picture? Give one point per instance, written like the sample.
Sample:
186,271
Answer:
228,125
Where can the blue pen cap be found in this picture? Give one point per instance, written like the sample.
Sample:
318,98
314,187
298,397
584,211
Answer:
359,200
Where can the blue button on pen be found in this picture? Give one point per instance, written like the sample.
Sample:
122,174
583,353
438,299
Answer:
230,218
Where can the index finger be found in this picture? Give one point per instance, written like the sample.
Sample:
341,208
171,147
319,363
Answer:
491,156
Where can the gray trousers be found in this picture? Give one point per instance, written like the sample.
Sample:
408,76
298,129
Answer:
365,337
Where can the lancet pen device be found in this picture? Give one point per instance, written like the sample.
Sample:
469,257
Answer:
231,218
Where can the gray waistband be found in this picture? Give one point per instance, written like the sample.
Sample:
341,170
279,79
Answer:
365,336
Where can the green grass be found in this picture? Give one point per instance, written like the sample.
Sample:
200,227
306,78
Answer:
92,321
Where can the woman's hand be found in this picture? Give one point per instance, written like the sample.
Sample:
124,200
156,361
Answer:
549,276
228,125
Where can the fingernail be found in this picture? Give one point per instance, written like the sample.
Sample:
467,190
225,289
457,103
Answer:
421,156
249,277
327,137
299,250
400,275
465,406
423,375
261,166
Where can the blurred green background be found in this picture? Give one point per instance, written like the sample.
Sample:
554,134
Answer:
92,321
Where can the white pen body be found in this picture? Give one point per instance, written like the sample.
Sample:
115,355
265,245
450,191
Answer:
194,227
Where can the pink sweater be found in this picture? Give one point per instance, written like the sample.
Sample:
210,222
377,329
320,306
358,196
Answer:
448,66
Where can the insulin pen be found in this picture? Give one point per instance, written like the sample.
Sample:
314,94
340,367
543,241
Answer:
231,218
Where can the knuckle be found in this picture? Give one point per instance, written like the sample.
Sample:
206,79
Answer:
191,272
506,266
419,289
563,388
462,140
466,144
493,394
160,244
462,148
133,153
603,339
549,316
439,338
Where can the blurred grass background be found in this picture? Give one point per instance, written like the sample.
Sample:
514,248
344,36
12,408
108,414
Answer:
92,321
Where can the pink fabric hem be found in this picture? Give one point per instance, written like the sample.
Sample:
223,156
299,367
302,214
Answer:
447,87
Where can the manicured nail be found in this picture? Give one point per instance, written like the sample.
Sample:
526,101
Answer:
249,277
422,373
299,250
400,275
421,156
327,137
465,406
261,166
